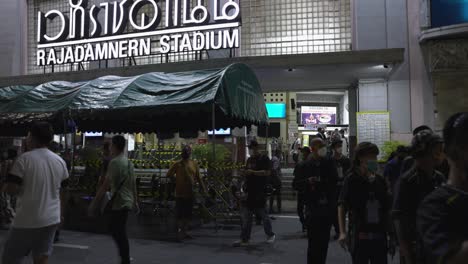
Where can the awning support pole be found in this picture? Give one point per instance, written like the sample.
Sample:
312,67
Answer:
213,124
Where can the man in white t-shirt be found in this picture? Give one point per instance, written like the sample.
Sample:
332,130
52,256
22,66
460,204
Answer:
36,178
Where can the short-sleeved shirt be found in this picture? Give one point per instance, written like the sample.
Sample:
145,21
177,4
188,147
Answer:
120,170
186,173
442,223
410,191
321,194
368,203
256,196
42,173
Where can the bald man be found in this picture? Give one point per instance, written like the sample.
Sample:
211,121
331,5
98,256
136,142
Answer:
319,176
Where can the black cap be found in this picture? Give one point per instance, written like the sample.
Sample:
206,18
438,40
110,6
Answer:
423,142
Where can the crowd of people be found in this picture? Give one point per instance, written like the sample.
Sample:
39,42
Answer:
417,205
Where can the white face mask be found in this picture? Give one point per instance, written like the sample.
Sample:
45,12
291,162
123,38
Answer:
322,152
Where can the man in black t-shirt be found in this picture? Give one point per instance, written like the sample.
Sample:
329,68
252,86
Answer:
412,188
365,198
443,216
257,169
318,178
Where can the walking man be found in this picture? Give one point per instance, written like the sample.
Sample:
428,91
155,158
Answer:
320,178
365,199
120,178
187,173
258,169
423,178
36,178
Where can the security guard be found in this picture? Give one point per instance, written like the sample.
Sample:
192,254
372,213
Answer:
318,179
428,152
365,198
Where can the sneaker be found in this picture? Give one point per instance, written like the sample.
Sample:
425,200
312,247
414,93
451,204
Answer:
240,243
271,239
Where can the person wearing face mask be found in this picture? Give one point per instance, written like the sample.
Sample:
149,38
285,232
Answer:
318,179
443,216
343,164
411,189
365,199
257,170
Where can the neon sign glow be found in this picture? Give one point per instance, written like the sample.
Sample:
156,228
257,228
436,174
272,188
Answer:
82,36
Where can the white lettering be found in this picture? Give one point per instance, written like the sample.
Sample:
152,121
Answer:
231,41
53,14
69,56
176,38
145,47
185,43
198,41
134,13
165,44
133,48
79,53
227,7
101,51
219,43
40,56
106,17
89,53
75,18
123,49
113,50
51,58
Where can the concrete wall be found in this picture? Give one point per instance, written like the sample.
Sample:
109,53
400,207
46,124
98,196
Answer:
372,95
382,24
13,38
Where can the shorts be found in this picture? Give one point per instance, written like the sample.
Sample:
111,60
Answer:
21,242
184,208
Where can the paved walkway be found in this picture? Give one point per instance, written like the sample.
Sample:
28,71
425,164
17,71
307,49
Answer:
208,247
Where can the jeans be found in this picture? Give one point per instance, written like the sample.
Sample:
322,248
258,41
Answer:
118,230
247,218
370,251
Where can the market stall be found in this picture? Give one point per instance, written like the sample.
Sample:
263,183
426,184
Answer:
163,103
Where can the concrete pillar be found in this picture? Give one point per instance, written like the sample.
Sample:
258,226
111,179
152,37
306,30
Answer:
352,108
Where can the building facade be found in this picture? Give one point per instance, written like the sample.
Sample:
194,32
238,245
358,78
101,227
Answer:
364,56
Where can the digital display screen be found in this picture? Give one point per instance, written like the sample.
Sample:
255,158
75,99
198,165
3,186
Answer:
318,115
276,110
221,132
448,12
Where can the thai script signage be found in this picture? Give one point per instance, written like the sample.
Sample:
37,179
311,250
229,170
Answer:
122,29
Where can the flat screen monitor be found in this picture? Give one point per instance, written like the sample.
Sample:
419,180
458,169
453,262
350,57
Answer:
318,115
274,130
276,110
220,132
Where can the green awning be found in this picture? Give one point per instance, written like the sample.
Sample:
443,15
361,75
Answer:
151,102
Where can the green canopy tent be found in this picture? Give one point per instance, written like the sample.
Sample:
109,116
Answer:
153,102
